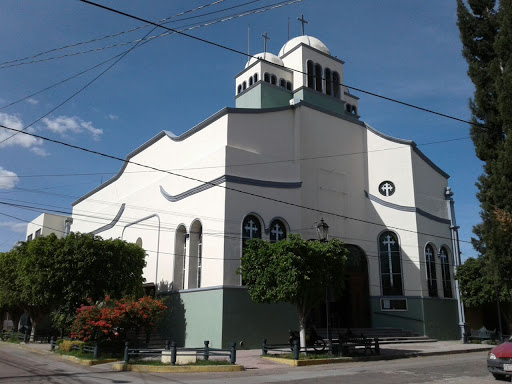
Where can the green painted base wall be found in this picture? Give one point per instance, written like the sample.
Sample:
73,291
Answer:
244,320
321,100
435,318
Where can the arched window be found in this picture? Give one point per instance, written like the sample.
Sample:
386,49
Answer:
282,83
318,78
289,85
354,110
273,79
311,74
250,81
328,81
390,264
336,84
266,77
251,228
445,271
430,263
139,242
348,108
195,255
255,77
180,257
277,231
244,85
239,88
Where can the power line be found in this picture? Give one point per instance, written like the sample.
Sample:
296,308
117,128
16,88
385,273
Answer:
295,70
188,27
222,186
76,93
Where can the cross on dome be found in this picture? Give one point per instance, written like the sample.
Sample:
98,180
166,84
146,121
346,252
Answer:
265,38
303,21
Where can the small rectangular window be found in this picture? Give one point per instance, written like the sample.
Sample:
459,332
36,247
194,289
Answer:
29,237
38,233
393,304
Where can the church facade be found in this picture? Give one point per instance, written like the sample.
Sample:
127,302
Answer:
292,152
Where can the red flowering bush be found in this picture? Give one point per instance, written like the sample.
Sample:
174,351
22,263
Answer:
104,321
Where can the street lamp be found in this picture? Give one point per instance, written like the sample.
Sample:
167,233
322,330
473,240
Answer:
322,230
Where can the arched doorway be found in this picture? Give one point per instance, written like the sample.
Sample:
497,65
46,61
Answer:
352,310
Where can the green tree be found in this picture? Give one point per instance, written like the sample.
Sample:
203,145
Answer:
57,275
9,298
295,271
486,35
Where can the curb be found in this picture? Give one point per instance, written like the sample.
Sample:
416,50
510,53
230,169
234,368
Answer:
339,360
176,368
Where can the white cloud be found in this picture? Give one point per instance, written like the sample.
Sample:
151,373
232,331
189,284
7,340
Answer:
20,139
64,125
14,226
8,179
111,116
32,101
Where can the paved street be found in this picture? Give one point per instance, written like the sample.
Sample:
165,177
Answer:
24,366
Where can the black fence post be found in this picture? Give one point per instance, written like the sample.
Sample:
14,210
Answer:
232,356
264,349
166,345
96,352
126,356
206,354
52,344
296,349
377,346
173,353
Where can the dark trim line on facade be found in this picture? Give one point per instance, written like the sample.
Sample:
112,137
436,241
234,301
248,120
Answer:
414,148
313,49
229,179
404,208
112,223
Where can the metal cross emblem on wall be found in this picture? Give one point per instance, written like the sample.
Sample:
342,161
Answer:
387,188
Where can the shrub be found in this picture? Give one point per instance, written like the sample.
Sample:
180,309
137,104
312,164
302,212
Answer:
67,345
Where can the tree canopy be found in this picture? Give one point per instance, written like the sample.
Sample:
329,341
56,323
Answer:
296,271
486,34
55,275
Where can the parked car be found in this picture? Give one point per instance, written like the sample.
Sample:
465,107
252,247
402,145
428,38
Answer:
499,360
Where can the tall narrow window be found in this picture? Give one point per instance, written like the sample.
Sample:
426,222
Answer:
318,78
282,83
38,234
199,259
430,263
336,85
239,88
445,270
195,255
250,81
180,262
328,81
390,264
273,79
255,77
244,85
289,85
277,231
311,74
266,77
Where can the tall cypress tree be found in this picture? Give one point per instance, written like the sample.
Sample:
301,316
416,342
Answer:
486,35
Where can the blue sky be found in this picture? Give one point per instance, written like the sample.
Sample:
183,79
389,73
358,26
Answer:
403,49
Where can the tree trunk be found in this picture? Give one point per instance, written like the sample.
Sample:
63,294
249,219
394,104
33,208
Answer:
33,331
302,332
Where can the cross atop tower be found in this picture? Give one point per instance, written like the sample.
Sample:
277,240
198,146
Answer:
303,21
265,38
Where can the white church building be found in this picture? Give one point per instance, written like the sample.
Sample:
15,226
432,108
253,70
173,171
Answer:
294,150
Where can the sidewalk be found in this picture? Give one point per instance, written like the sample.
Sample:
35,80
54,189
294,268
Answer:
250,359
